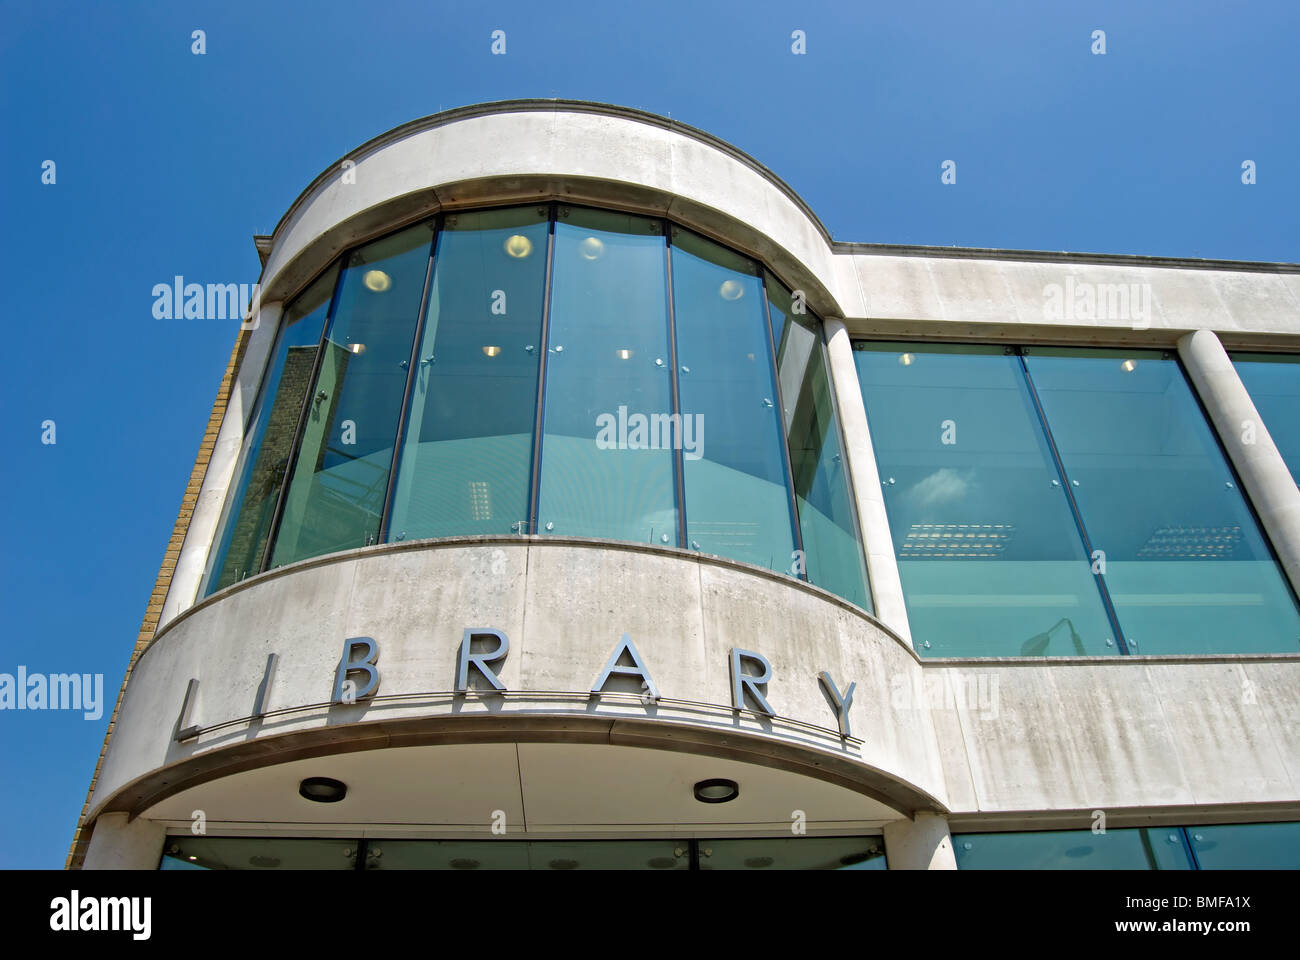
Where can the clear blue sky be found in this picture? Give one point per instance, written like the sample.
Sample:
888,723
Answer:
168,163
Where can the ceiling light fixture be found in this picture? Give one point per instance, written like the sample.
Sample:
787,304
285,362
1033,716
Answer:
377,281
716,791
624,354
357,347
322,790
591,248
906,359
731,290
491,351
518,246
1128,366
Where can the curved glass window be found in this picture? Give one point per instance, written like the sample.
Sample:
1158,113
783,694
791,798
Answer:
1273,382
468,448
335,500
605,469
828,527
736,490
246,528
549,369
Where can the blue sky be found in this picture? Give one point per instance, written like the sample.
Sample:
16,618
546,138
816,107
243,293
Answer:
168,163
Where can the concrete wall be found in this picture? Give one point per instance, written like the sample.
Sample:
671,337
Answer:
1002,740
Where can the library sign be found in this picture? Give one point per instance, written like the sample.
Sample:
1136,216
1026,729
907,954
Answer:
358,677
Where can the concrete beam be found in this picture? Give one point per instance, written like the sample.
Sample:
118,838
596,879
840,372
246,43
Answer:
882,565
1263,472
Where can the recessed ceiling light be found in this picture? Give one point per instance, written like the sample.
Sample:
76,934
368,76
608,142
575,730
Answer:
906,359
491,351
731,290
716,791
1128,366
591,248
323,790
518,246
624,354
377,281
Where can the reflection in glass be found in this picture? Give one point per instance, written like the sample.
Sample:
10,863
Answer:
988,551
467,452
823,494
1273,382
260,475
336,497
258,853
737,502
1186,564
527,855
606,470
794,853
1141,849
1247,846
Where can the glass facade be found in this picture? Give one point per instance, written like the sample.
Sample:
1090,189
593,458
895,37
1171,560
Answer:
263,853
1245,846
335,499
1065,501
259,478
1273,382
549,370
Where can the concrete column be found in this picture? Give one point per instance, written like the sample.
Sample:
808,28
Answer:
118,845
920,844
202,529
1263,472
869,497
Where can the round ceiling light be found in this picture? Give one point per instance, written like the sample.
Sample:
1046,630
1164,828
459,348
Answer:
731,290
377,281
716,791
591,248
518,246
322,790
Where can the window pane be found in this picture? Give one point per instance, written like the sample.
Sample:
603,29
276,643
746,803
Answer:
528,855
737,503
1144,849
990,557
1247,846
1187,566
468,447
794,853
340,479
258,853
604,472
1273,382
260,475
827,524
